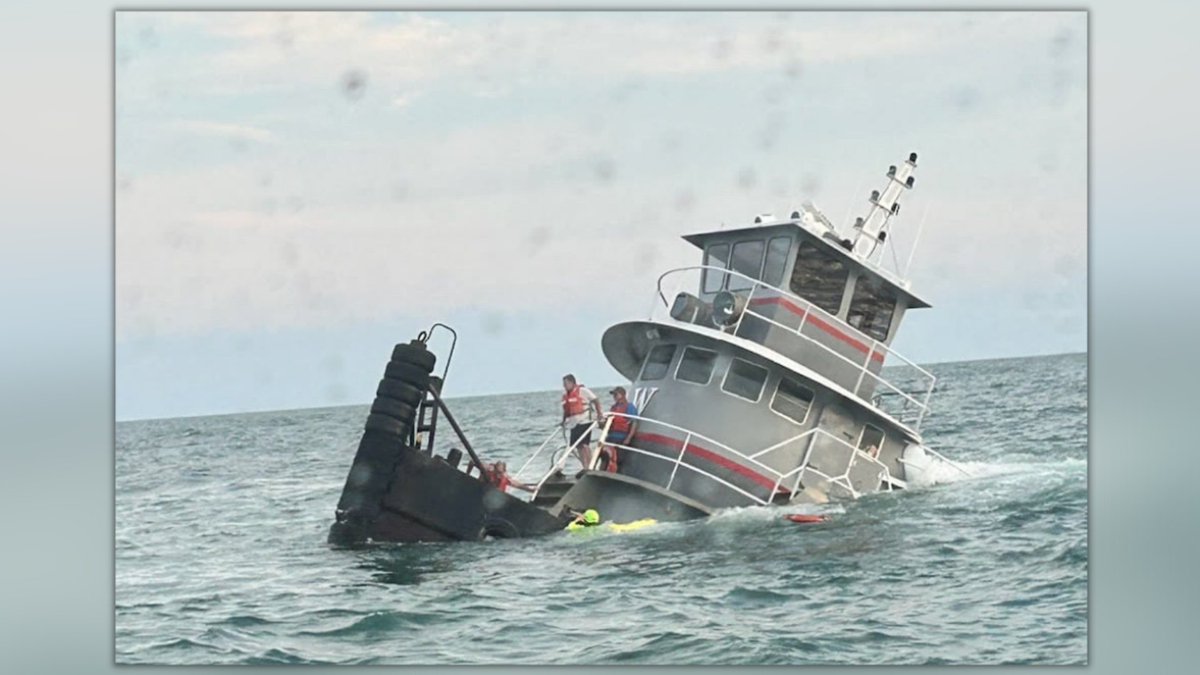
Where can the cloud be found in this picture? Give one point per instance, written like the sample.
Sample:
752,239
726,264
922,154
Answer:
265,48
541,198
240,132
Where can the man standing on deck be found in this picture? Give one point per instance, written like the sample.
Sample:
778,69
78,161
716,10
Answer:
578,405
622,427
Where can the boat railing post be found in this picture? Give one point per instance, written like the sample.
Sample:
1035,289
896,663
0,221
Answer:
687,440
865,367
571,447
782,476
925,403
600,442
775,487
737,329
804,462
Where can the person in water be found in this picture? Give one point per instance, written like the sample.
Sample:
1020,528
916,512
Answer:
580,406
621,429
589,518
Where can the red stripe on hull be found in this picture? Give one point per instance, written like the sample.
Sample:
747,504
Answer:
821,324
708,455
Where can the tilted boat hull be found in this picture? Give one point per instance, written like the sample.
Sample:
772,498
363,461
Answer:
427,499
623,499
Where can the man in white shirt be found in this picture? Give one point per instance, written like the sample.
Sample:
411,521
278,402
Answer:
580,407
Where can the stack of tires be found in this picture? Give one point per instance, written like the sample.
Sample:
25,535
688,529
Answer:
388,428
404,383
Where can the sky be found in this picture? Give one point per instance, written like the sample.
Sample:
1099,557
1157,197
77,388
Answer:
297,192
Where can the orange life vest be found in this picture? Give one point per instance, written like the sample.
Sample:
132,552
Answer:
573,403
498,479
620,425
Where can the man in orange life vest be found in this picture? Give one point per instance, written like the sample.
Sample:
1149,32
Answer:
621,429
578,402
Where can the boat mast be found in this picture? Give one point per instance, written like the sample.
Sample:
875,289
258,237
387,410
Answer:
872,230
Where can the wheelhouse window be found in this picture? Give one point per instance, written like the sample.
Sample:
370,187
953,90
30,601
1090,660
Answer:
819,277
777,250
716,255
744,379
792,400
871,438
696,365
871,307
748,260
658,362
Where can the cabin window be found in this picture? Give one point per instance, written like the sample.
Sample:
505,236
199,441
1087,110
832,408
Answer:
871,307
658,361
871,438
696,365
777,250
748,260
792,400
745,379
716,255
819,277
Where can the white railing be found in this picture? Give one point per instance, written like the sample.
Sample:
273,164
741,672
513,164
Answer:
683,280
557,463
781,479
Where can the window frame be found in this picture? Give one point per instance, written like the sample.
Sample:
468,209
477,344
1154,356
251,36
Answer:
667,371
807,411
862,434
724,276
679,365
754,277
828,257
782,262
761,388
875,285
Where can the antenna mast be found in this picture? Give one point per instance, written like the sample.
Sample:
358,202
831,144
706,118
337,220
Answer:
871,231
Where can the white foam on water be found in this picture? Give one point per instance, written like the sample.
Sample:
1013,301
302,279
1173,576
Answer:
758,514
928,470
935,471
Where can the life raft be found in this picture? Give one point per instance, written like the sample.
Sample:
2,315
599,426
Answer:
806,518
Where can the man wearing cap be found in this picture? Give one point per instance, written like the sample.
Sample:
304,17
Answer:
621,429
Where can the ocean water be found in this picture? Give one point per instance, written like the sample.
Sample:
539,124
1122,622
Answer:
221,554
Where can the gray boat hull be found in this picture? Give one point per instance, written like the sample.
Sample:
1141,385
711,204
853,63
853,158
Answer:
624,499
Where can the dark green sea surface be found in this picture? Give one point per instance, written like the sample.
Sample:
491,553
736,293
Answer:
221,554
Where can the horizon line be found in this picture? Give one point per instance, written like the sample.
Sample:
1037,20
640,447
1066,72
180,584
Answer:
530,391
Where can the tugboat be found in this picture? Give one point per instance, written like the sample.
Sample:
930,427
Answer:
757,377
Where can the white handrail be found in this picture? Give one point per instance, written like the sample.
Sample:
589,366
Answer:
841,480
864,371
791,296
875,345
781,478
556,431
856,455
603,434
558,465
702,437
689,467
